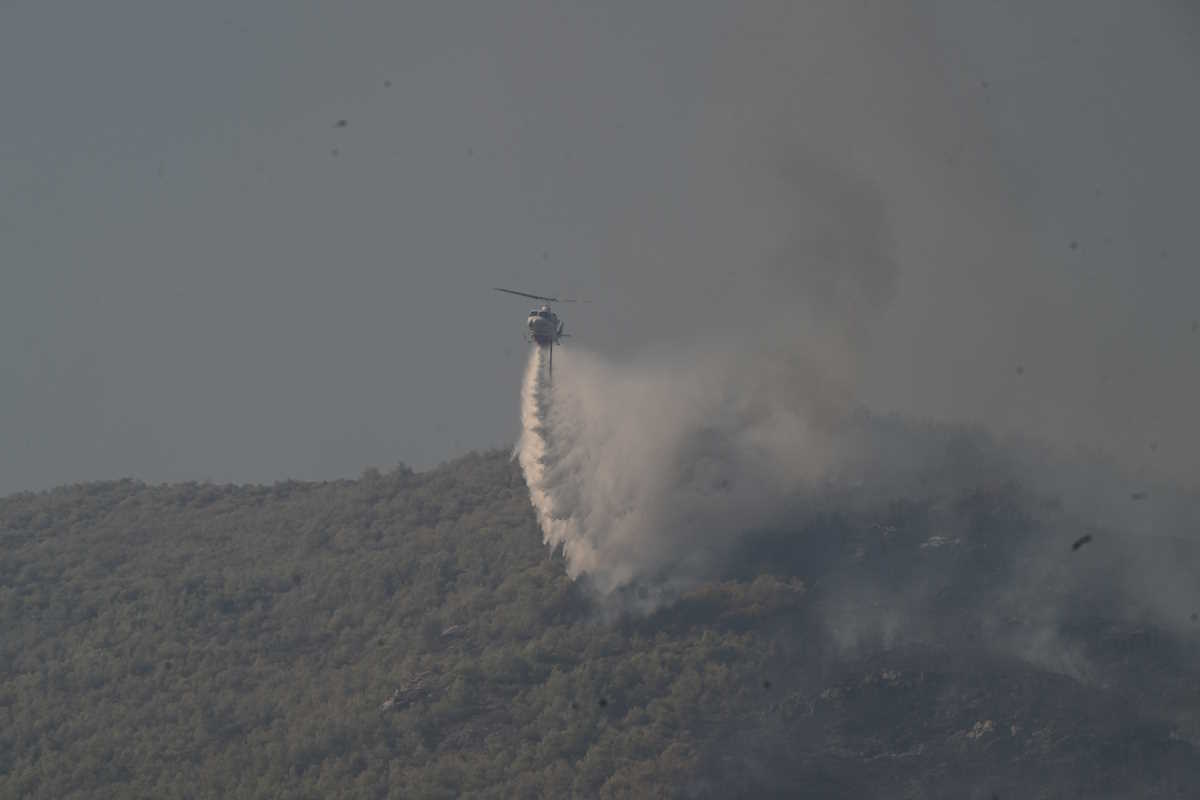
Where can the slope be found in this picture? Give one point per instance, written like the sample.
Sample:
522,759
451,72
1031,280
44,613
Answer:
409,635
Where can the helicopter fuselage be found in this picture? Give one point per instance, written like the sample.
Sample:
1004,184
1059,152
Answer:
544,326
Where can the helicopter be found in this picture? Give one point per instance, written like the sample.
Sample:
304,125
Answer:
544,326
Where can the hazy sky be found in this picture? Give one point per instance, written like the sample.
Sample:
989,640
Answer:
206,278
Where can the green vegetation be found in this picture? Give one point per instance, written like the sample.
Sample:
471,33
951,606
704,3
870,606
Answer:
409,635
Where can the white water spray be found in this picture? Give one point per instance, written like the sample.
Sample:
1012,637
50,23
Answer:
647,470
533,452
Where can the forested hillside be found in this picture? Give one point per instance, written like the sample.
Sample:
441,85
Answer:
409,635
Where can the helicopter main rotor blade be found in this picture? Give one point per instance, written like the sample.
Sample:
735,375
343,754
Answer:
532,296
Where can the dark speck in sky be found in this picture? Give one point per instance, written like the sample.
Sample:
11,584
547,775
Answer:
1020,369
387,84
1081,541
1074,245
766,684
1138,496
341,123
334,152
603,702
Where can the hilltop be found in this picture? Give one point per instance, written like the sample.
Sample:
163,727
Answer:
408,635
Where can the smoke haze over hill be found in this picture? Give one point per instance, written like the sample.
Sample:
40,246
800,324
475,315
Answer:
653,473
845,179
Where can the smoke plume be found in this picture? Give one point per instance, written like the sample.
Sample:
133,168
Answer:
667,469
851,304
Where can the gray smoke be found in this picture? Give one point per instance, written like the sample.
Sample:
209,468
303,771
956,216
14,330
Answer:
653,468
869,289
980,200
